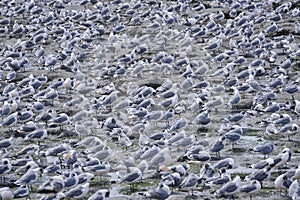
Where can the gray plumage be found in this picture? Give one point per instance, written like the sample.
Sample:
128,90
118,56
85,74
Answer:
162,191
78,192
21,192
30,177
179,124
132,177
263,163
294,189
224,163
202,118
260,175
252,187
224,178
265,148
190,182
230,187
99,195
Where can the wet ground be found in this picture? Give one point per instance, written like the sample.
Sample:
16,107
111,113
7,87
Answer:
98,71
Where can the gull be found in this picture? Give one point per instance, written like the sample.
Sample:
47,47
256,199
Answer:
53,153
176,137
122,105
207,171
143,166
227,163
160,135
214,103
167,94
263,163
78,192
251,188
28,150
182,169
282,182
21,192
85,177
30,177
98,169
173,179
30,164
167,84
89,141
162,191
279,81
155,115
217,146
10,120
199,157
5,166
260,175
282,158
295,173
253,83
233,136
273,107
235,99
224,178
179,124
71,180
25,115
265,148
294,189
53,169
38,106
190,182
99,195
186,84
134,175
103,154
161,158
289,129
36,135
6,193
272,28
229,188
61,119
236,117
22,160
184,142
6,109
283,120
124,140
54,184
214,45
150,152
7,143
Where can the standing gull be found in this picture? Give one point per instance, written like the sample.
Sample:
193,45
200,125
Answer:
229,188
282,182
190,182
132,177
251,188
282,158
235,99
265,148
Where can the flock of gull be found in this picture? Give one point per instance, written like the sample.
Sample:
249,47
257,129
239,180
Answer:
149,99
